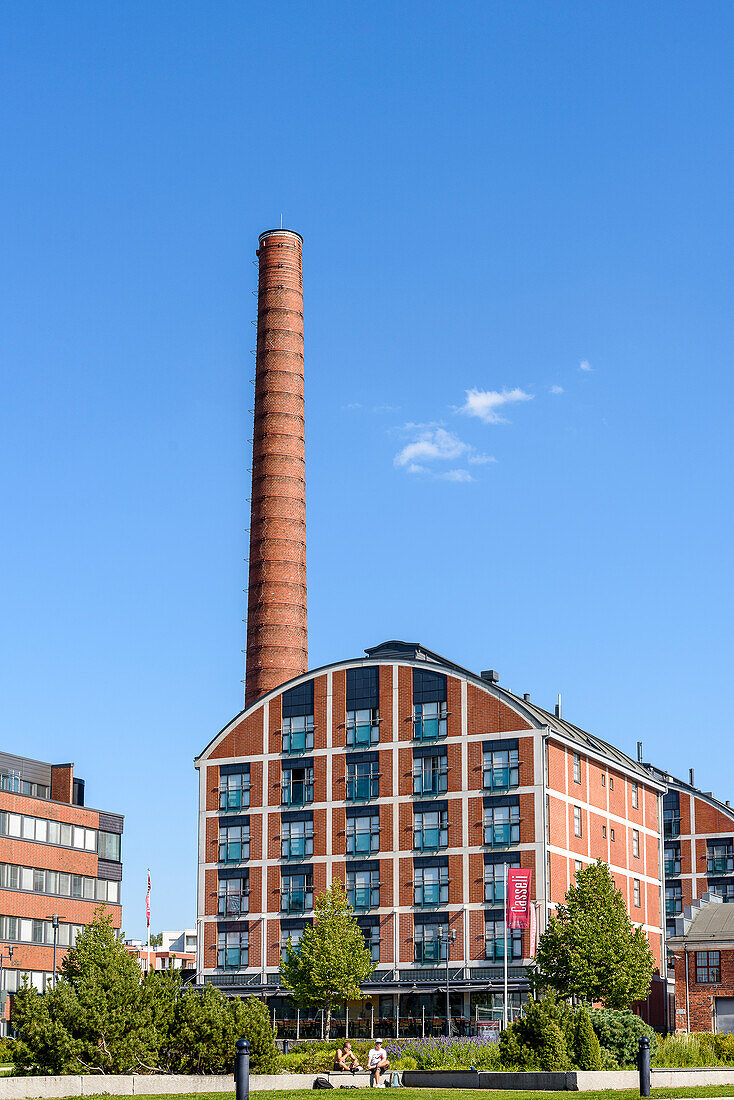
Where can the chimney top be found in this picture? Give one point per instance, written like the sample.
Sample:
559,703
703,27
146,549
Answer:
490,675
270,232
690,777
526,696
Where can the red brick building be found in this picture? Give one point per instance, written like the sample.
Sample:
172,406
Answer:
59,860
698,832
415,782
702,947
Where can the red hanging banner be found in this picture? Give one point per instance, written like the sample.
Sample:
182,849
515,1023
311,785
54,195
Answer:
518,897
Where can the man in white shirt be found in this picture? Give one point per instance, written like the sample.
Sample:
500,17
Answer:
376,1062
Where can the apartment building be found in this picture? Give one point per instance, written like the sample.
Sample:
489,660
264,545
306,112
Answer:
59,860
415,782
176,951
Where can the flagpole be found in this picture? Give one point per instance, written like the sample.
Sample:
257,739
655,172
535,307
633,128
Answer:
147,915
504,1001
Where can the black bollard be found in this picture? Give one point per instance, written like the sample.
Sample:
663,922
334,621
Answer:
242,1070
643,1064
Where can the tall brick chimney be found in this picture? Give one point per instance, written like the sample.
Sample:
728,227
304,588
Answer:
277,645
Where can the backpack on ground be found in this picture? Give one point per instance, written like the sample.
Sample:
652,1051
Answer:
322,1083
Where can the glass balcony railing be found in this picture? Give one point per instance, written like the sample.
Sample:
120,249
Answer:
297,794
297,741
494,893
234,851
673,907
362,788
430,784
233,905
430,838
361,734
501,836
298,847
672,866
671,828
432,894
494,948
296,900
363,897
429,728
720,865
432,952
501,778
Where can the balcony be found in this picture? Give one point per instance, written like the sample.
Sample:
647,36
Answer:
430,839
431,894
494,893
501,836
297,741
234,851
501,778
430,784
234,800
299,847
720,865
364,897
673,907
494,948
362,734
363,788
671,828
296,900
234,905
296,793
433,951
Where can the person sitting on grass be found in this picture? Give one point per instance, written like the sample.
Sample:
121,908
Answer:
377,1061
345,1059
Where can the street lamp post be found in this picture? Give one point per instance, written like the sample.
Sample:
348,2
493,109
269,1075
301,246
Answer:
55,925
448,937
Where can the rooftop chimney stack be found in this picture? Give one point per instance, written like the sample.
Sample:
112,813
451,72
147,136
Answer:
277,645
691,777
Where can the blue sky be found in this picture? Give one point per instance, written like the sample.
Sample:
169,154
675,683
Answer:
494,197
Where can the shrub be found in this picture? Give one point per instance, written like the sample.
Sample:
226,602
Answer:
261,1037
538,1039
446,1053
586,1048
619,1032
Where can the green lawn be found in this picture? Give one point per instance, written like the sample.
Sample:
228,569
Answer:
465,1094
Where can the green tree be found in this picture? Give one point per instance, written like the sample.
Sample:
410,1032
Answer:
326,967
538,1039
586,1048
260,1034
91,1022
591,950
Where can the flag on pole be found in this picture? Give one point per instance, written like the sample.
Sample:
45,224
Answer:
147,903
533,949
518,897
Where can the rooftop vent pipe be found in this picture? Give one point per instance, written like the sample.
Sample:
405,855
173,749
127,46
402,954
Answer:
690,777
639,752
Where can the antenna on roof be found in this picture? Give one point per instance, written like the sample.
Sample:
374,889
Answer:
558,706
639,752
281,221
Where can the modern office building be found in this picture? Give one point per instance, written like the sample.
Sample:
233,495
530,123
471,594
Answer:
59,860
415,782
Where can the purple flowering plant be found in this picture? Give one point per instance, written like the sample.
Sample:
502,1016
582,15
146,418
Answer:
448,1052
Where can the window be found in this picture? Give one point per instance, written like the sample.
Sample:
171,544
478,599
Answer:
636,843
430,829
611,783
577,821
234,896
363,889
576,768
297,786
234,790
371,935
501,769
429,721
430,775
108,844
296,839
22,930
233,950
636,892
11,781
234,843
604,831
296,892
577,866
671,855
501,826
603,780
297,733
720,856
494,881
292,935
430,942
635,796
494,941
673,899
363,728
430,886
611,835
708,967
363,835
363,781
724,889
671,823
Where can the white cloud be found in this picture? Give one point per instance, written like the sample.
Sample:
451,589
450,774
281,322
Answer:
456,475
556,389
485,403
585,366
432,444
